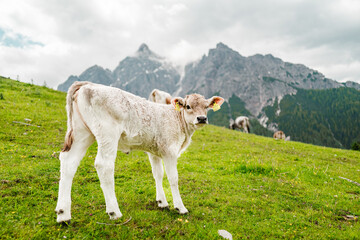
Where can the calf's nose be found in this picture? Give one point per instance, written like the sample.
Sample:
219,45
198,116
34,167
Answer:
202,119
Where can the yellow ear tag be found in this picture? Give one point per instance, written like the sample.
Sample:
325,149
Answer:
216,107
177,107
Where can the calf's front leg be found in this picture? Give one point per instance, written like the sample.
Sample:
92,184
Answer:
172,175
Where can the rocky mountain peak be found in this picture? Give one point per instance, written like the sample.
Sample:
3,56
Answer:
94,68
221,45
145,52
222,48
223,54
145,71
143,47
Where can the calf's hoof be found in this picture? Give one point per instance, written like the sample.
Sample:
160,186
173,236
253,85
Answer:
182,211
162,204
62,217
114,215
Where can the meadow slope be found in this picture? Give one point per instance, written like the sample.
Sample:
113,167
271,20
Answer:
252,186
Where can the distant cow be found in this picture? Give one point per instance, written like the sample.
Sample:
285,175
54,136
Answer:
120,120
241,122
279,135
159,96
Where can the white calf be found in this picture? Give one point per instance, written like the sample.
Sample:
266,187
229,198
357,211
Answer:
159,96
241,122
120,120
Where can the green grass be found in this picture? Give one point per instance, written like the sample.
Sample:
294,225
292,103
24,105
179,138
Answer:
254,187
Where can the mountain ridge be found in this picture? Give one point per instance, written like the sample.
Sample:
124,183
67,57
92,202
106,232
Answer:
248,84
138,74
257,79
267,68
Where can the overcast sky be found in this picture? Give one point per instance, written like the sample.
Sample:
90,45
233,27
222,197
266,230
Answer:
49,40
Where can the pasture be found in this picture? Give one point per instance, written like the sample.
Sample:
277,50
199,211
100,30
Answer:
254,187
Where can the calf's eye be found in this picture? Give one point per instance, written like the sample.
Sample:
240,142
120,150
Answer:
188,107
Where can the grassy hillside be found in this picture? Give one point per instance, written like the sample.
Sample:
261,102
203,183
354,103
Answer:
252,186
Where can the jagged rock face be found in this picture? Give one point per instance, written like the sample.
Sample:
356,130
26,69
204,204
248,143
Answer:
138,74
351,84
95,74
145,71
65,85
257,80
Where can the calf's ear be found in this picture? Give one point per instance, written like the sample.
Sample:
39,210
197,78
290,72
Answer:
168,100
215,102
178,103
153,92
152,95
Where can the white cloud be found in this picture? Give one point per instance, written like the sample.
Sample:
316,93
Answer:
183,52
343,71
322,34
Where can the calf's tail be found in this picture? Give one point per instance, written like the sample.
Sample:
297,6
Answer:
70,98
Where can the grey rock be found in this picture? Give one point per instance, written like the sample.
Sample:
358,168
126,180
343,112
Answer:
258,80
225,234
65,85
138,74
141,73
95,74
351,84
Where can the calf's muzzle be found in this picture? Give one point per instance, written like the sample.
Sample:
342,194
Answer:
202,119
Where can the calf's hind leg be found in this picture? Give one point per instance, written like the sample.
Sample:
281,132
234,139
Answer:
69,162
105,165
158,173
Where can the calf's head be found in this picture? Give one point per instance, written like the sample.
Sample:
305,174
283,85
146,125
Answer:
232,124
195,107
160,97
